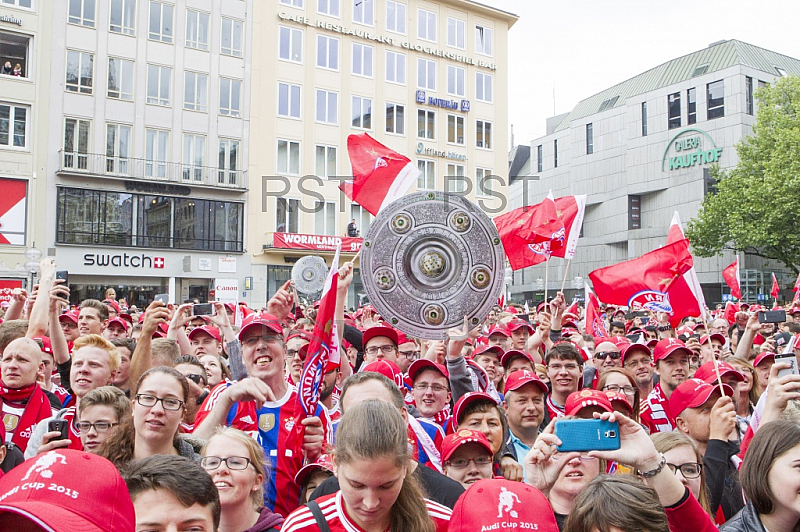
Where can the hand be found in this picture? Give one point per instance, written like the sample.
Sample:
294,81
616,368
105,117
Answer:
280,305
779,392
20,295
768,346
180,316
544,326
220,317
741,319
753,324
436,351
723,419
557,307
59,296
49,443
313,437
156,314
47,268
636,448
345,278
456,337
249,389
544,463
511,469
663,319
368,318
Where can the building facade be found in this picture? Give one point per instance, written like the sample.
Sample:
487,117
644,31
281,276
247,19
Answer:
427,79
640,151
147,144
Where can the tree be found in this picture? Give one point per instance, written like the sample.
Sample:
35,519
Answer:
756,208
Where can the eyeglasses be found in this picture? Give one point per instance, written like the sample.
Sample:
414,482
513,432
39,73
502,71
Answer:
636,363
196,378
168,403
385,349
436,388
559,367
268,338
627,390
613,355
461,463
688,470
233,462
414,355
100,426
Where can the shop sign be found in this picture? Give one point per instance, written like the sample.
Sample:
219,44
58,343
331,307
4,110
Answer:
431,152
10,20
453,105
690,147
226,290
227,265
7,287
123,260
315,242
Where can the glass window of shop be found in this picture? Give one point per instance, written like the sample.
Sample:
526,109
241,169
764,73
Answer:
139,295
139,220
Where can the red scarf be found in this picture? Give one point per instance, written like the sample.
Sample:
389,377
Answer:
37,408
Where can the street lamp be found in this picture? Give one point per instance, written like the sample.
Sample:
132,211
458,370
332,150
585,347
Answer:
577,282
33,256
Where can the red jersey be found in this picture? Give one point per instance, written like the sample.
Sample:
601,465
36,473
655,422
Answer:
332,506
555,410
63,395
661,418
74,433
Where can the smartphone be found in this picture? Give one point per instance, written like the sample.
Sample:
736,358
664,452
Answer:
63,274
59,425
164,298
587,435
791,359
203,309
636,314
771,316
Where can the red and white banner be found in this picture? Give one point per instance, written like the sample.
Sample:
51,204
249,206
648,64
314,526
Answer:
7,286
316,242
13,214
687,290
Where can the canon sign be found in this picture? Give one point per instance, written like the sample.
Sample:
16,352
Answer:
123,260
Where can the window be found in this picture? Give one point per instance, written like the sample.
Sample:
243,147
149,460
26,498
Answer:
293,3
14,48
362,217
328,7
748,94
288,100
159,85
286,215
455,80
483,180
363,12
395,118
76,143
327,52
555,153
232,37
325,164
19,3
716,99
455,32
327,107
589,139
195,92
781,71
288,157
483,87
161,22
395,67
118,148
80,71
362,60
122,16
120,79
396,17
81,12
426,25
644,119
483,40
426,124
228,163
290,44
230,97
194,157
539,158
427,178
455,179
362,112
674,110
13,126
156,144
483,134
196,30
324,218
634,212
691,106
455,129
762,84
426,74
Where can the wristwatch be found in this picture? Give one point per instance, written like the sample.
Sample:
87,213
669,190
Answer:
665,328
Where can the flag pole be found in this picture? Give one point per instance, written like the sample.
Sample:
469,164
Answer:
716,362
566,270
546,268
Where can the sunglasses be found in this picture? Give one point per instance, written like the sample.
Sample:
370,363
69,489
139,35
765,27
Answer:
613,355
196,378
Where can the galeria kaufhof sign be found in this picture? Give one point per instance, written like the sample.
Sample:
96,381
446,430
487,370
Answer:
690,147
299,19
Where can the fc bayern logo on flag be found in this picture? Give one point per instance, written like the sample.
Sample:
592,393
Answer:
651,300
311,378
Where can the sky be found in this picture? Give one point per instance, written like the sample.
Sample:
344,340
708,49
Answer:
563,51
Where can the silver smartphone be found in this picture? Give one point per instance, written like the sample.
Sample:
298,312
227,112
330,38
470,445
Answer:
788,358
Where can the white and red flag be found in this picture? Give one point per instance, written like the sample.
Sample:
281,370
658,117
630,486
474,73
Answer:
686,294
776,288
732,278
380,174
594,323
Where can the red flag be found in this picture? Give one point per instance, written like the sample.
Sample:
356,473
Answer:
686,294
594,324
796,290
516,231
731,276
645,282
573,308
776,289
545,226
730,312
381,175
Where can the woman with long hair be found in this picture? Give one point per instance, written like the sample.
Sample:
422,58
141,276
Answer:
747,390
216,370
376,494
159,400
621,380
684,459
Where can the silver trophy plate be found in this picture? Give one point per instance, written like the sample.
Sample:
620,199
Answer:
428,260
309,274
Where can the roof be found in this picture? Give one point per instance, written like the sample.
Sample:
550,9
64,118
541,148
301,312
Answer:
486,10
519,155
718,56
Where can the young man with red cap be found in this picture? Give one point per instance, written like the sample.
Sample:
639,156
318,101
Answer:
565,371
407,351
69,325
520,332
117,328
524,405
467,457
671,358
431,390
499,335
513,360
380,342
711,347
488,357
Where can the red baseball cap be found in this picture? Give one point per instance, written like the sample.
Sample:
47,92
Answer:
98,502
423,363
499,329
47,347
762,357
388,369
380,330
494,504
323,463
71,315
161,332
621,398
520,378
402,338
795,310
517,323
210,330
667,346
462,437
121,322
714,336
113,304
466,400
488,350
261,319
585,398
633,348
706,372
688,331
511,354
692,393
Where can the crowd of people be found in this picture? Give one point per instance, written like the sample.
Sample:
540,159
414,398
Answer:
167,419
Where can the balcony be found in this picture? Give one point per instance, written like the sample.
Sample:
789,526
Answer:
98,164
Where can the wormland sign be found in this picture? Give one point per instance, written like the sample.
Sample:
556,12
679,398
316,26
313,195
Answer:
690,147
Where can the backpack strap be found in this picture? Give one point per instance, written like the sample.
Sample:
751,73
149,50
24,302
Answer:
322,523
